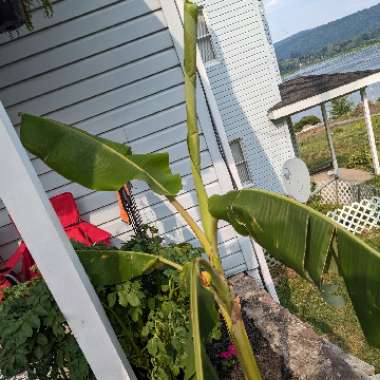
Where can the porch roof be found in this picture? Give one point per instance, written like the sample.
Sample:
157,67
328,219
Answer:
305,92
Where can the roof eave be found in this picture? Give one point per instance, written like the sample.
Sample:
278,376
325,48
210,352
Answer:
324,97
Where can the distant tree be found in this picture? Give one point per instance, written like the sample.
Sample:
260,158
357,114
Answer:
306,120
340,107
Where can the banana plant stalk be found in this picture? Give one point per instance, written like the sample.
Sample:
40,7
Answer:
193,141
231,312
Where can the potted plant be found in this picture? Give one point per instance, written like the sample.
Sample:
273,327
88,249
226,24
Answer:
15,13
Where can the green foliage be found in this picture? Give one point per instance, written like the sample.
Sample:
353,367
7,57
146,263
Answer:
113,267
316,204
359,159
340,107
35,337
306,120
150,315
309,244
27,10
94,162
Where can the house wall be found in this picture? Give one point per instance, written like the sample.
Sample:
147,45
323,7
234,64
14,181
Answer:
110,68
244,79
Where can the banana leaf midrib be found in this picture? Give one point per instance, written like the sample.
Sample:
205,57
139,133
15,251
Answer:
111,150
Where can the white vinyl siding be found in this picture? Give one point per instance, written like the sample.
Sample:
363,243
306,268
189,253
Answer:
109,68
245,86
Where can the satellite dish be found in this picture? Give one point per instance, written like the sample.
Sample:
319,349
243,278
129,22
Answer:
296,179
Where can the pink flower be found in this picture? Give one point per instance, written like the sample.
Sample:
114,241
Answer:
229,354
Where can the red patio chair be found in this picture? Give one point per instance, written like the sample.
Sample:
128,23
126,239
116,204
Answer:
75,228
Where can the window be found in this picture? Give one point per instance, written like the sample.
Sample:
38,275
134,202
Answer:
241,164
204,39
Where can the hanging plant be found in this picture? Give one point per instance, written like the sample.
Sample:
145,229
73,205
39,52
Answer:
15,13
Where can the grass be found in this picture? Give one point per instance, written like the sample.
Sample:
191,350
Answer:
340,326
375,181
372,238
351,145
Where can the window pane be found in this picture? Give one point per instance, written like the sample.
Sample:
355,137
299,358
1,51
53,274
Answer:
204,39
243,173
202,26
237,151
206,49
241,165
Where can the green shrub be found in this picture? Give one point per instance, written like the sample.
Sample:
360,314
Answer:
35,337
150,316
306,120
359,159
324,208
340,107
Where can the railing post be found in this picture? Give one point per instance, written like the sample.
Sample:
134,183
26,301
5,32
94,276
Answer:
330,139
33,215
370,133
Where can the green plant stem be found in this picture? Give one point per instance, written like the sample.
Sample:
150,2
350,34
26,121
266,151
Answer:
210,249
192,224
230,309
193,140
170,263
245,355
124,328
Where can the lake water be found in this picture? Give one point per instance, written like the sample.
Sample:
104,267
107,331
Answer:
367,59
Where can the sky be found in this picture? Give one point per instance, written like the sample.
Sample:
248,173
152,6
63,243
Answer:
287,17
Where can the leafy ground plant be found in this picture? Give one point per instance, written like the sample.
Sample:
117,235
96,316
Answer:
150,315
294,234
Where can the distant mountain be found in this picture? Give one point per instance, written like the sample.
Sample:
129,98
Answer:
345,33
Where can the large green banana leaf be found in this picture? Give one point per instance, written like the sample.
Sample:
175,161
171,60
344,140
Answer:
94,162
303,239
114,267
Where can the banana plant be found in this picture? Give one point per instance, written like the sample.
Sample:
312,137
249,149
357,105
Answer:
296,235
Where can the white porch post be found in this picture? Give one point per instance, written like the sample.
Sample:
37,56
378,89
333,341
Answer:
293,136
31,211
370,133
329,139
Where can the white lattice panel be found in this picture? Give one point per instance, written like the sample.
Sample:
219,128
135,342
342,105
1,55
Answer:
271,261
358,217
339,192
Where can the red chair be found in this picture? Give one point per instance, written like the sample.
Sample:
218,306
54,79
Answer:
75,228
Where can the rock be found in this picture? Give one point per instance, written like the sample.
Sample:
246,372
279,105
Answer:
287,348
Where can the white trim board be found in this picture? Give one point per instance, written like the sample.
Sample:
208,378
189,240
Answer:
67,280
323,97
